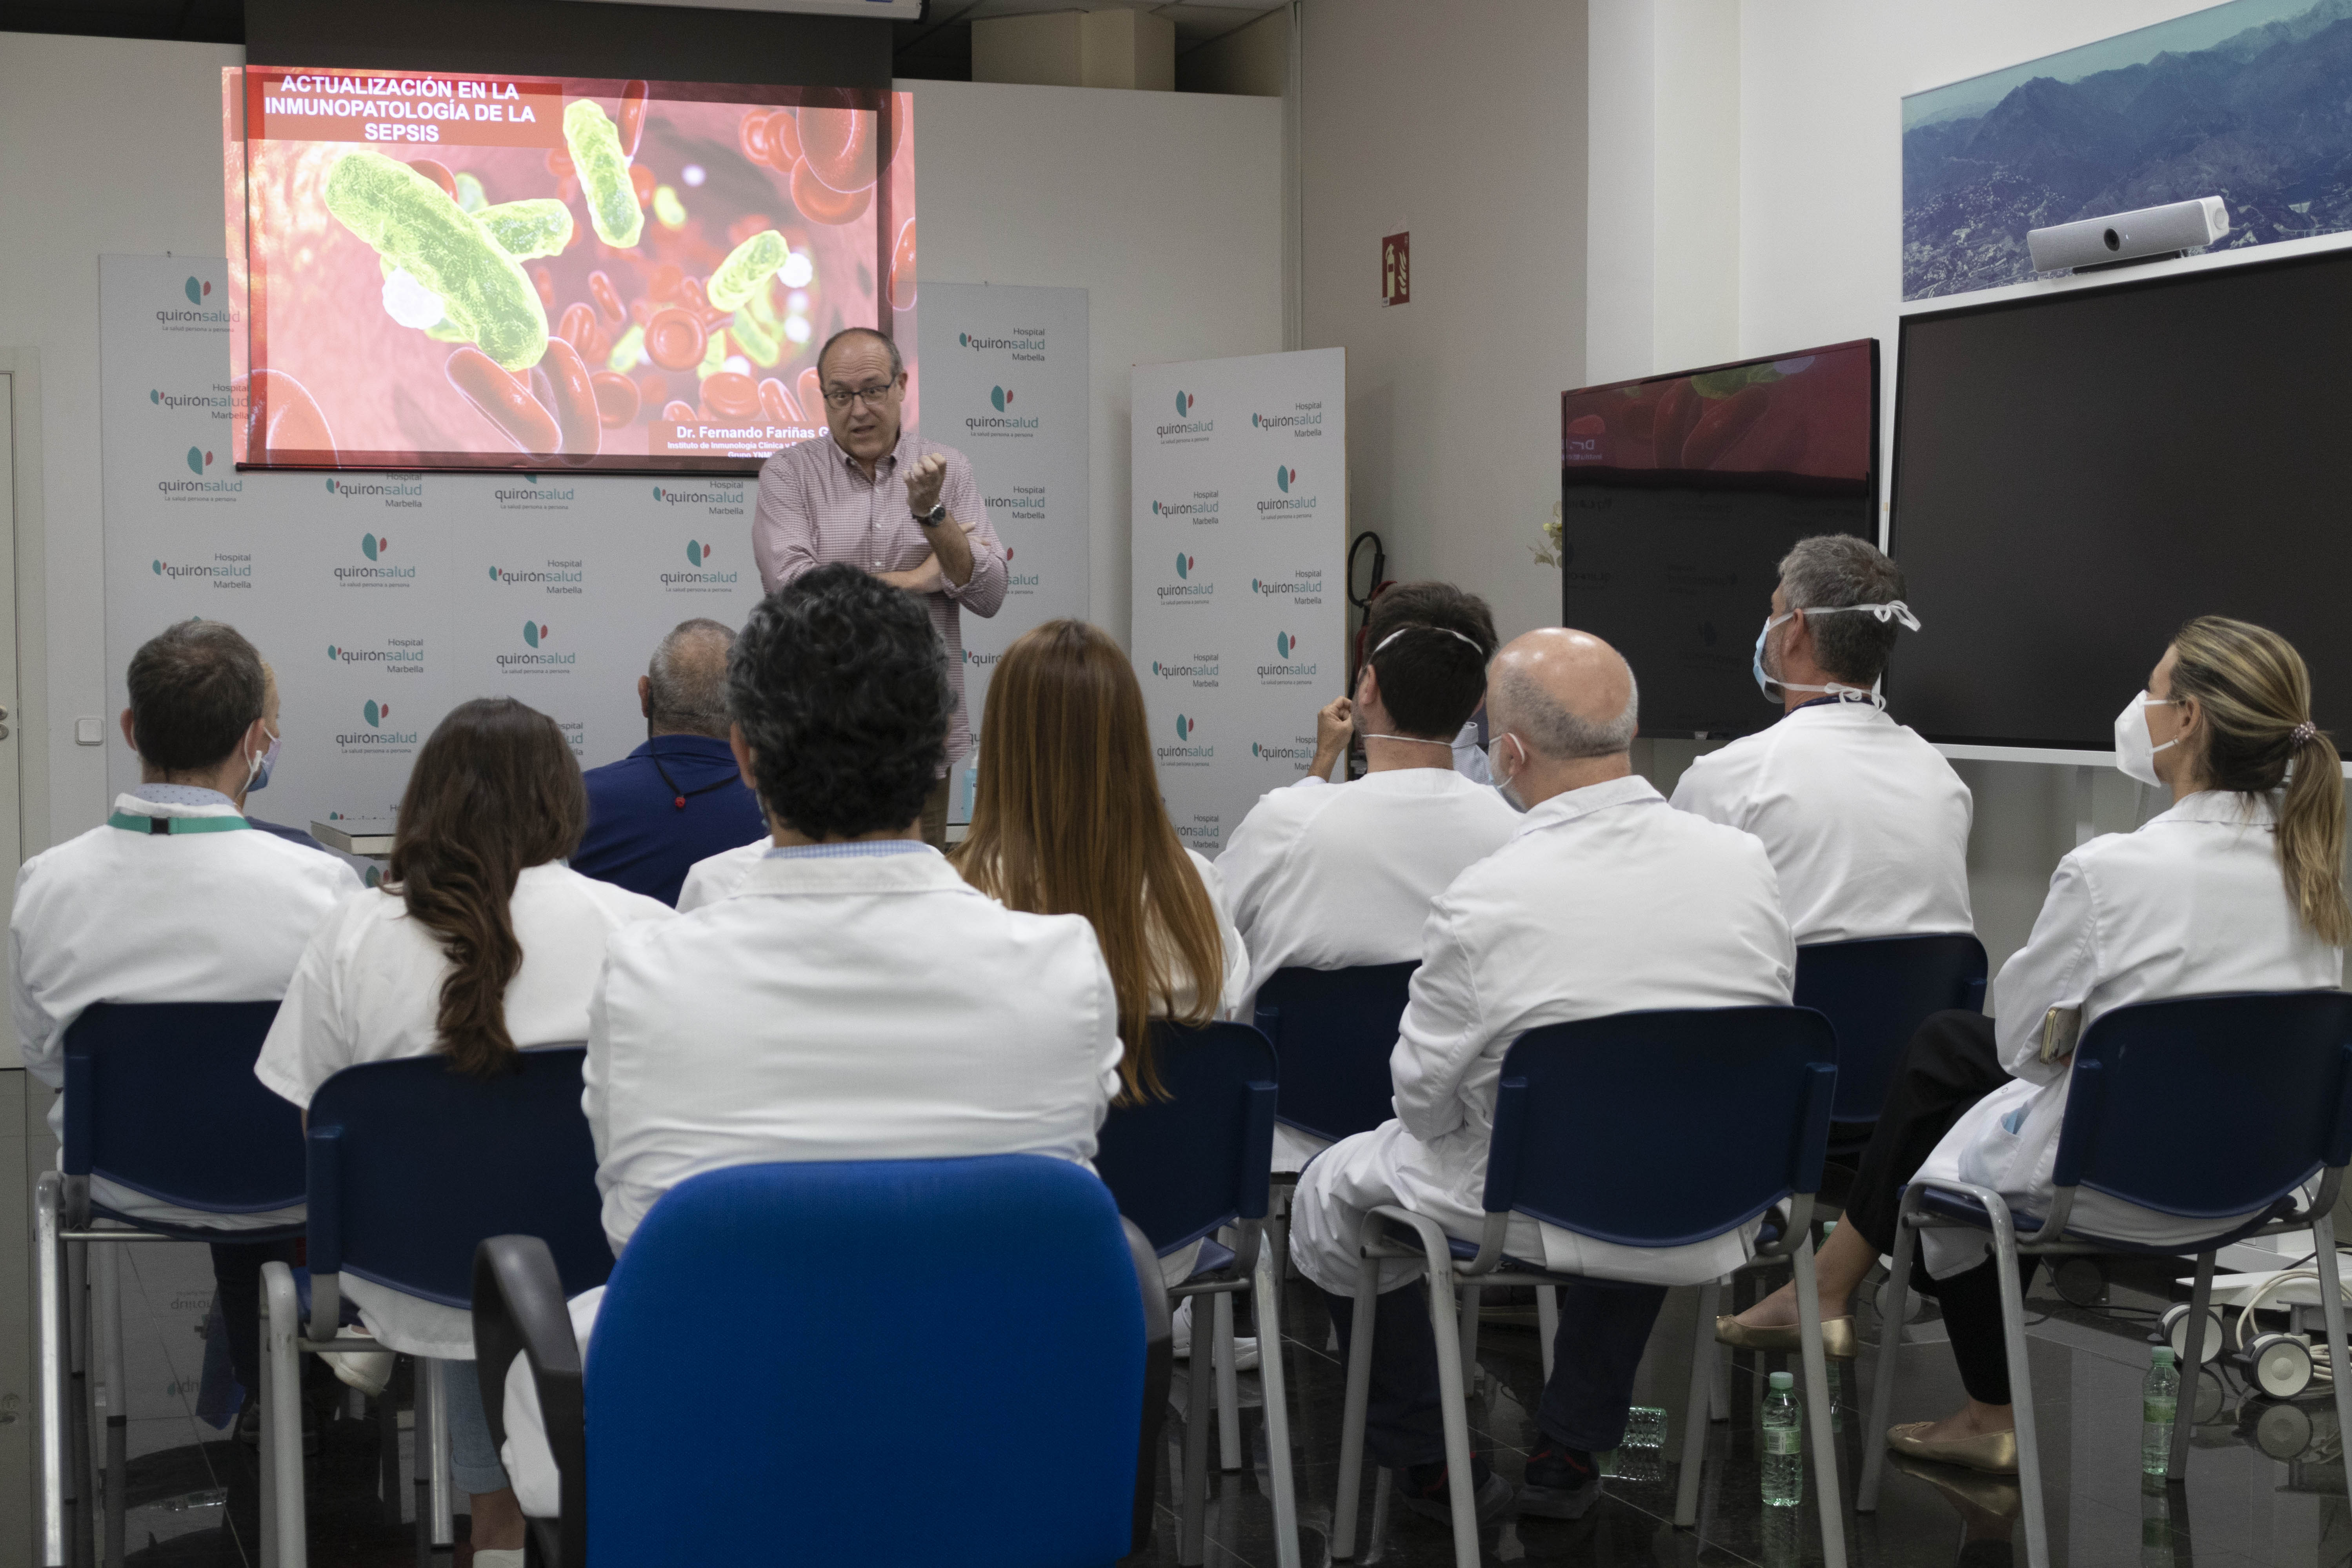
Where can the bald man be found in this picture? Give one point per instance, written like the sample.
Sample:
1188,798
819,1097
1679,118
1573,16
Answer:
679,797
1605,901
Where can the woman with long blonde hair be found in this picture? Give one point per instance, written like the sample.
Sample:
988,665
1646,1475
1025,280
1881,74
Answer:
2239,887
1068,820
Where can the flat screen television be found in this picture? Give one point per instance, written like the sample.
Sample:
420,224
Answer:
1680,493
436,269
2077,474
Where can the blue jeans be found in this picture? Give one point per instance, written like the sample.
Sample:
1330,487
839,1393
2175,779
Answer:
473,1457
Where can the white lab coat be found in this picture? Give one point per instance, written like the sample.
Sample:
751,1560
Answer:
369,990
1330,876
866,1008
119,916
1866,823
2192,902
716,877
1605,902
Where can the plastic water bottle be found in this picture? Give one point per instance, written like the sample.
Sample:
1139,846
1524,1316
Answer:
1784,1445
2159,1400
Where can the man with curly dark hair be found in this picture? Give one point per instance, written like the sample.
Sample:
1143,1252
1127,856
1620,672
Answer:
833,1006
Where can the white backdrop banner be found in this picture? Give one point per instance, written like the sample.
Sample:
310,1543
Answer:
382,600
1240,506
1005,384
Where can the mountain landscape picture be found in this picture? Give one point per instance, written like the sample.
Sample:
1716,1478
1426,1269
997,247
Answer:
2250,101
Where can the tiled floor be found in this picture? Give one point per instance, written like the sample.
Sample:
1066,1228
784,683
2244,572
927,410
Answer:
2265,1482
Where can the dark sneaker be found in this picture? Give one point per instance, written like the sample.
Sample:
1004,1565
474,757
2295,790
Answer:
1426,1490
1562,1482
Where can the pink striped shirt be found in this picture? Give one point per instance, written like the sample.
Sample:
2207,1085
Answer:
817,507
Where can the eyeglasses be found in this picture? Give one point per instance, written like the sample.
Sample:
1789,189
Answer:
842,396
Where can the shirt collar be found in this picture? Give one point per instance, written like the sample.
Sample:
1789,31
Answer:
889,460
179,794
697,745
1570,804
2229,808
865,850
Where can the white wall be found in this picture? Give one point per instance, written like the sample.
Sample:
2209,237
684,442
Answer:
1465,125
1166,207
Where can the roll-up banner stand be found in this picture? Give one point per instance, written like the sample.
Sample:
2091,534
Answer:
1240,508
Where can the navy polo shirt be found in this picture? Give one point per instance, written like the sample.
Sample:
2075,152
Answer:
641,839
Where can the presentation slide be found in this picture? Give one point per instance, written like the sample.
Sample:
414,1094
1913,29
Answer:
439,270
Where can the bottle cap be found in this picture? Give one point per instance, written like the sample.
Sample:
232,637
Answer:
1788,1380
2160,1356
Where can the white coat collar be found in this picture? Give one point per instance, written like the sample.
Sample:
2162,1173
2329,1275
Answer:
925,873
1570,804
129,804
2226,808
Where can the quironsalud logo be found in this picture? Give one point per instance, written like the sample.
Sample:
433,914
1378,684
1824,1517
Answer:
1184,564
372,547
379,732
1185,401
1184,588
1286,480
198,460
1283,479
999,399
542,659
381,573
1184,728
697,555
375,713
197,291
1184,753
1300,748
1284,644
697,552
532,631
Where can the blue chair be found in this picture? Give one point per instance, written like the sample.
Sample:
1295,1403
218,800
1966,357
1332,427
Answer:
2206,1108
773,1330
411,1165
1182,1169
160,1098
1875,993
1654,1129
1332,1031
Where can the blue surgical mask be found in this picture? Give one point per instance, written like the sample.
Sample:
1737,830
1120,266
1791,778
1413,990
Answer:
258,778
1893,610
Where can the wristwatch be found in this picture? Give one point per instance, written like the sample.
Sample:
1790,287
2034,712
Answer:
933,518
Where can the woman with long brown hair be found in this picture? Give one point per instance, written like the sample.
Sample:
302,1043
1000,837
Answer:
2239,887
482,943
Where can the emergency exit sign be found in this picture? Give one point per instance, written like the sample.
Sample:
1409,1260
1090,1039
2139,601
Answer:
1396,269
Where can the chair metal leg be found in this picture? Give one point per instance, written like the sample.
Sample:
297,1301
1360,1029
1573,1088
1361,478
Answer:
1351,1418
1817,1404
281,1414
1462,1495
1890,1345
1718,1381
1265,1300
83,1480
1192,1517
1229,1392
2201,1298
1695,1418
1547,1323
50,1338
109,1315
2021,1387
267,1462
445,1528
2331,1306
1466,1316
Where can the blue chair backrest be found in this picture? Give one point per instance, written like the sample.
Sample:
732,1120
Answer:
2209,1106
1181,1167
1875,993
778,1340
1333,1030
1664,1128
412,1163
161,1098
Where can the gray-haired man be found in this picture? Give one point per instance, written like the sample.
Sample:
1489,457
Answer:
678,797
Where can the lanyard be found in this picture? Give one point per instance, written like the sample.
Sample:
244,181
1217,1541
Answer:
153,824
678,796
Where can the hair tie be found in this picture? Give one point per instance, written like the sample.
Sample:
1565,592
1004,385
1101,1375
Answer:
2303,732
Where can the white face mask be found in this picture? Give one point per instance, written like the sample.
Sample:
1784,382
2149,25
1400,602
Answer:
1768,683
1494,769
259,768
2136,749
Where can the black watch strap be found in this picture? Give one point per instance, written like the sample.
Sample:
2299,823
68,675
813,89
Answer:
933,518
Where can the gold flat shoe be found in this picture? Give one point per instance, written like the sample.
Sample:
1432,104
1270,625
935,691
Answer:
1994,1453
1838,1341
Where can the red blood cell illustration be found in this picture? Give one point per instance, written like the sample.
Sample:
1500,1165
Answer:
559,162
674,339
811,392
633,117
902,267
677,413
579,329
753,135
777,404
281,416
1583,424
820,203
839,146
661,283
607,298
641,180
616,399
1678,410
784,140
1724,422
544,281
437,173
503,400
577,417
731,395
653,391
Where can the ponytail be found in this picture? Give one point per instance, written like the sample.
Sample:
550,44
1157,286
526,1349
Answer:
2255,694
